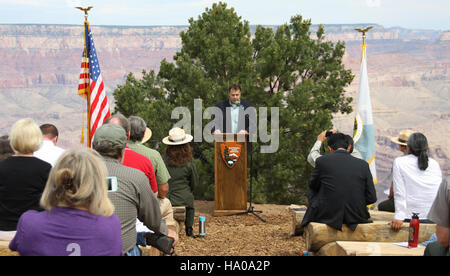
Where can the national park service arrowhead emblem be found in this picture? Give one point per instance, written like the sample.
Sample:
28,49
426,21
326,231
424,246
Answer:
231,152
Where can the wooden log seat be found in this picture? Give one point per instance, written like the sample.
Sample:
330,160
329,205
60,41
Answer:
318,235
351,248
298,212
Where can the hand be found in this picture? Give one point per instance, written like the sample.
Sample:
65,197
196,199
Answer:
243,132
321,136
217,131
171,233
163,190
396,224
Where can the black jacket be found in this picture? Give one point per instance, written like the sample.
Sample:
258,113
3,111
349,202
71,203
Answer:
247,120
340,188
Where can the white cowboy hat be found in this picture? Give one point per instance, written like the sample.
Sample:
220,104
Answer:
177,136
402,138
147,135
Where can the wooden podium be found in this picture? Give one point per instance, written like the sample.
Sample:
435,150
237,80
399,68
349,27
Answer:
230,173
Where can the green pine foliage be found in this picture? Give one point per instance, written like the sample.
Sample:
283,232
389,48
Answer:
289,68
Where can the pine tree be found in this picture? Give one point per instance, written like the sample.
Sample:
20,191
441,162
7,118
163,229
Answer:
286,68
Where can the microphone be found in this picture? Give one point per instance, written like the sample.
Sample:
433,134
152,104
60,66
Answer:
238,103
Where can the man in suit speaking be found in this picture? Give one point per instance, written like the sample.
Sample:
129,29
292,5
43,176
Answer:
340,188
238,116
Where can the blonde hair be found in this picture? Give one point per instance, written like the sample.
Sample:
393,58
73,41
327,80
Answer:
25,136
78,179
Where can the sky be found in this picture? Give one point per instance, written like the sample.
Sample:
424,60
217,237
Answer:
410,14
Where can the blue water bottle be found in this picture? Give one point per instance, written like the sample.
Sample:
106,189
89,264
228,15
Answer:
202,226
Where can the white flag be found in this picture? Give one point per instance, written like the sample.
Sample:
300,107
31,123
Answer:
364,132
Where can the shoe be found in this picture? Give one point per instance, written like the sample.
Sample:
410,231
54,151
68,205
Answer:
189,231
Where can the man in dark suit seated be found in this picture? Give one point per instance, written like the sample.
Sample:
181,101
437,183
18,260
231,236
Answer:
340,188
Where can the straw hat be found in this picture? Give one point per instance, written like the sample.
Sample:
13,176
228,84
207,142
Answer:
147,135
402,138
177,136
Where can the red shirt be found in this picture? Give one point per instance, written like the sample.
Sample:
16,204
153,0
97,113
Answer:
138,161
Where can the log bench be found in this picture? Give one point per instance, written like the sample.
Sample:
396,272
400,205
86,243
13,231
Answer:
318,235
4,249
179,213
146,251
4,244
298,212
149,251
351,248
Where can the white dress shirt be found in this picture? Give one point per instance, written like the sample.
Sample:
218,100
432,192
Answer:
234,117
315,153
414,190
48,152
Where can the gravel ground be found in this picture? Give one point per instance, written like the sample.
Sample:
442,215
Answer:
241,235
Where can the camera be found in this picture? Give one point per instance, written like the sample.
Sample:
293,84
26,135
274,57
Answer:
112,184
328,133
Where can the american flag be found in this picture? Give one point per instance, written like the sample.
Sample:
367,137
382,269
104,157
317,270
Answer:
99,107
83,83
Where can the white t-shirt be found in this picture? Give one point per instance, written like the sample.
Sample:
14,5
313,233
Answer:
414,190
49,152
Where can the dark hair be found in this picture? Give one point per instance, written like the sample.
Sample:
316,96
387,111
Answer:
179,155
49,130
234,86
5,147
350,142
123,121
109,149
338,140
418,144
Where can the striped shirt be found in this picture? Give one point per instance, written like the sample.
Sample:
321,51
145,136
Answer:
133,199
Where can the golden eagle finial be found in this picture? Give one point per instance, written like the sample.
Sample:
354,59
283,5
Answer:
85,10
364,31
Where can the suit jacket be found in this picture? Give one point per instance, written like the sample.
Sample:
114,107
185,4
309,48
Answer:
245,121
340,188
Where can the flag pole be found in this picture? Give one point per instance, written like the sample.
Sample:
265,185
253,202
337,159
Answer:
88,88
364,45
367,119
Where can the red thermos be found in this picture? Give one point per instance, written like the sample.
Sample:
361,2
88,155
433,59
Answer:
414,231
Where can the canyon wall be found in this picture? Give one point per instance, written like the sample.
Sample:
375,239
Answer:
408,75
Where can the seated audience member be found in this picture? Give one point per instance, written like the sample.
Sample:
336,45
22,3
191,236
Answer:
183,173
416,181
321,138
389,204
440,214
131,158
48,151
5,147
22,176
135,160
133,199
137,133
78,219
340,188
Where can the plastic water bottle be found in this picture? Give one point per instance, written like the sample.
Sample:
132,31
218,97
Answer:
202,226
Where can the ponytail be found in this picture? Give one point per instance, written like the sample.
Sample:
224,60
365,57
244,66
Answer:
418,145
423,160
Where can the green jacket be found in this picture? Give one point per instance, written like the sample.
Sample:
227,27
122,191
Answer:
161,173
181,184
